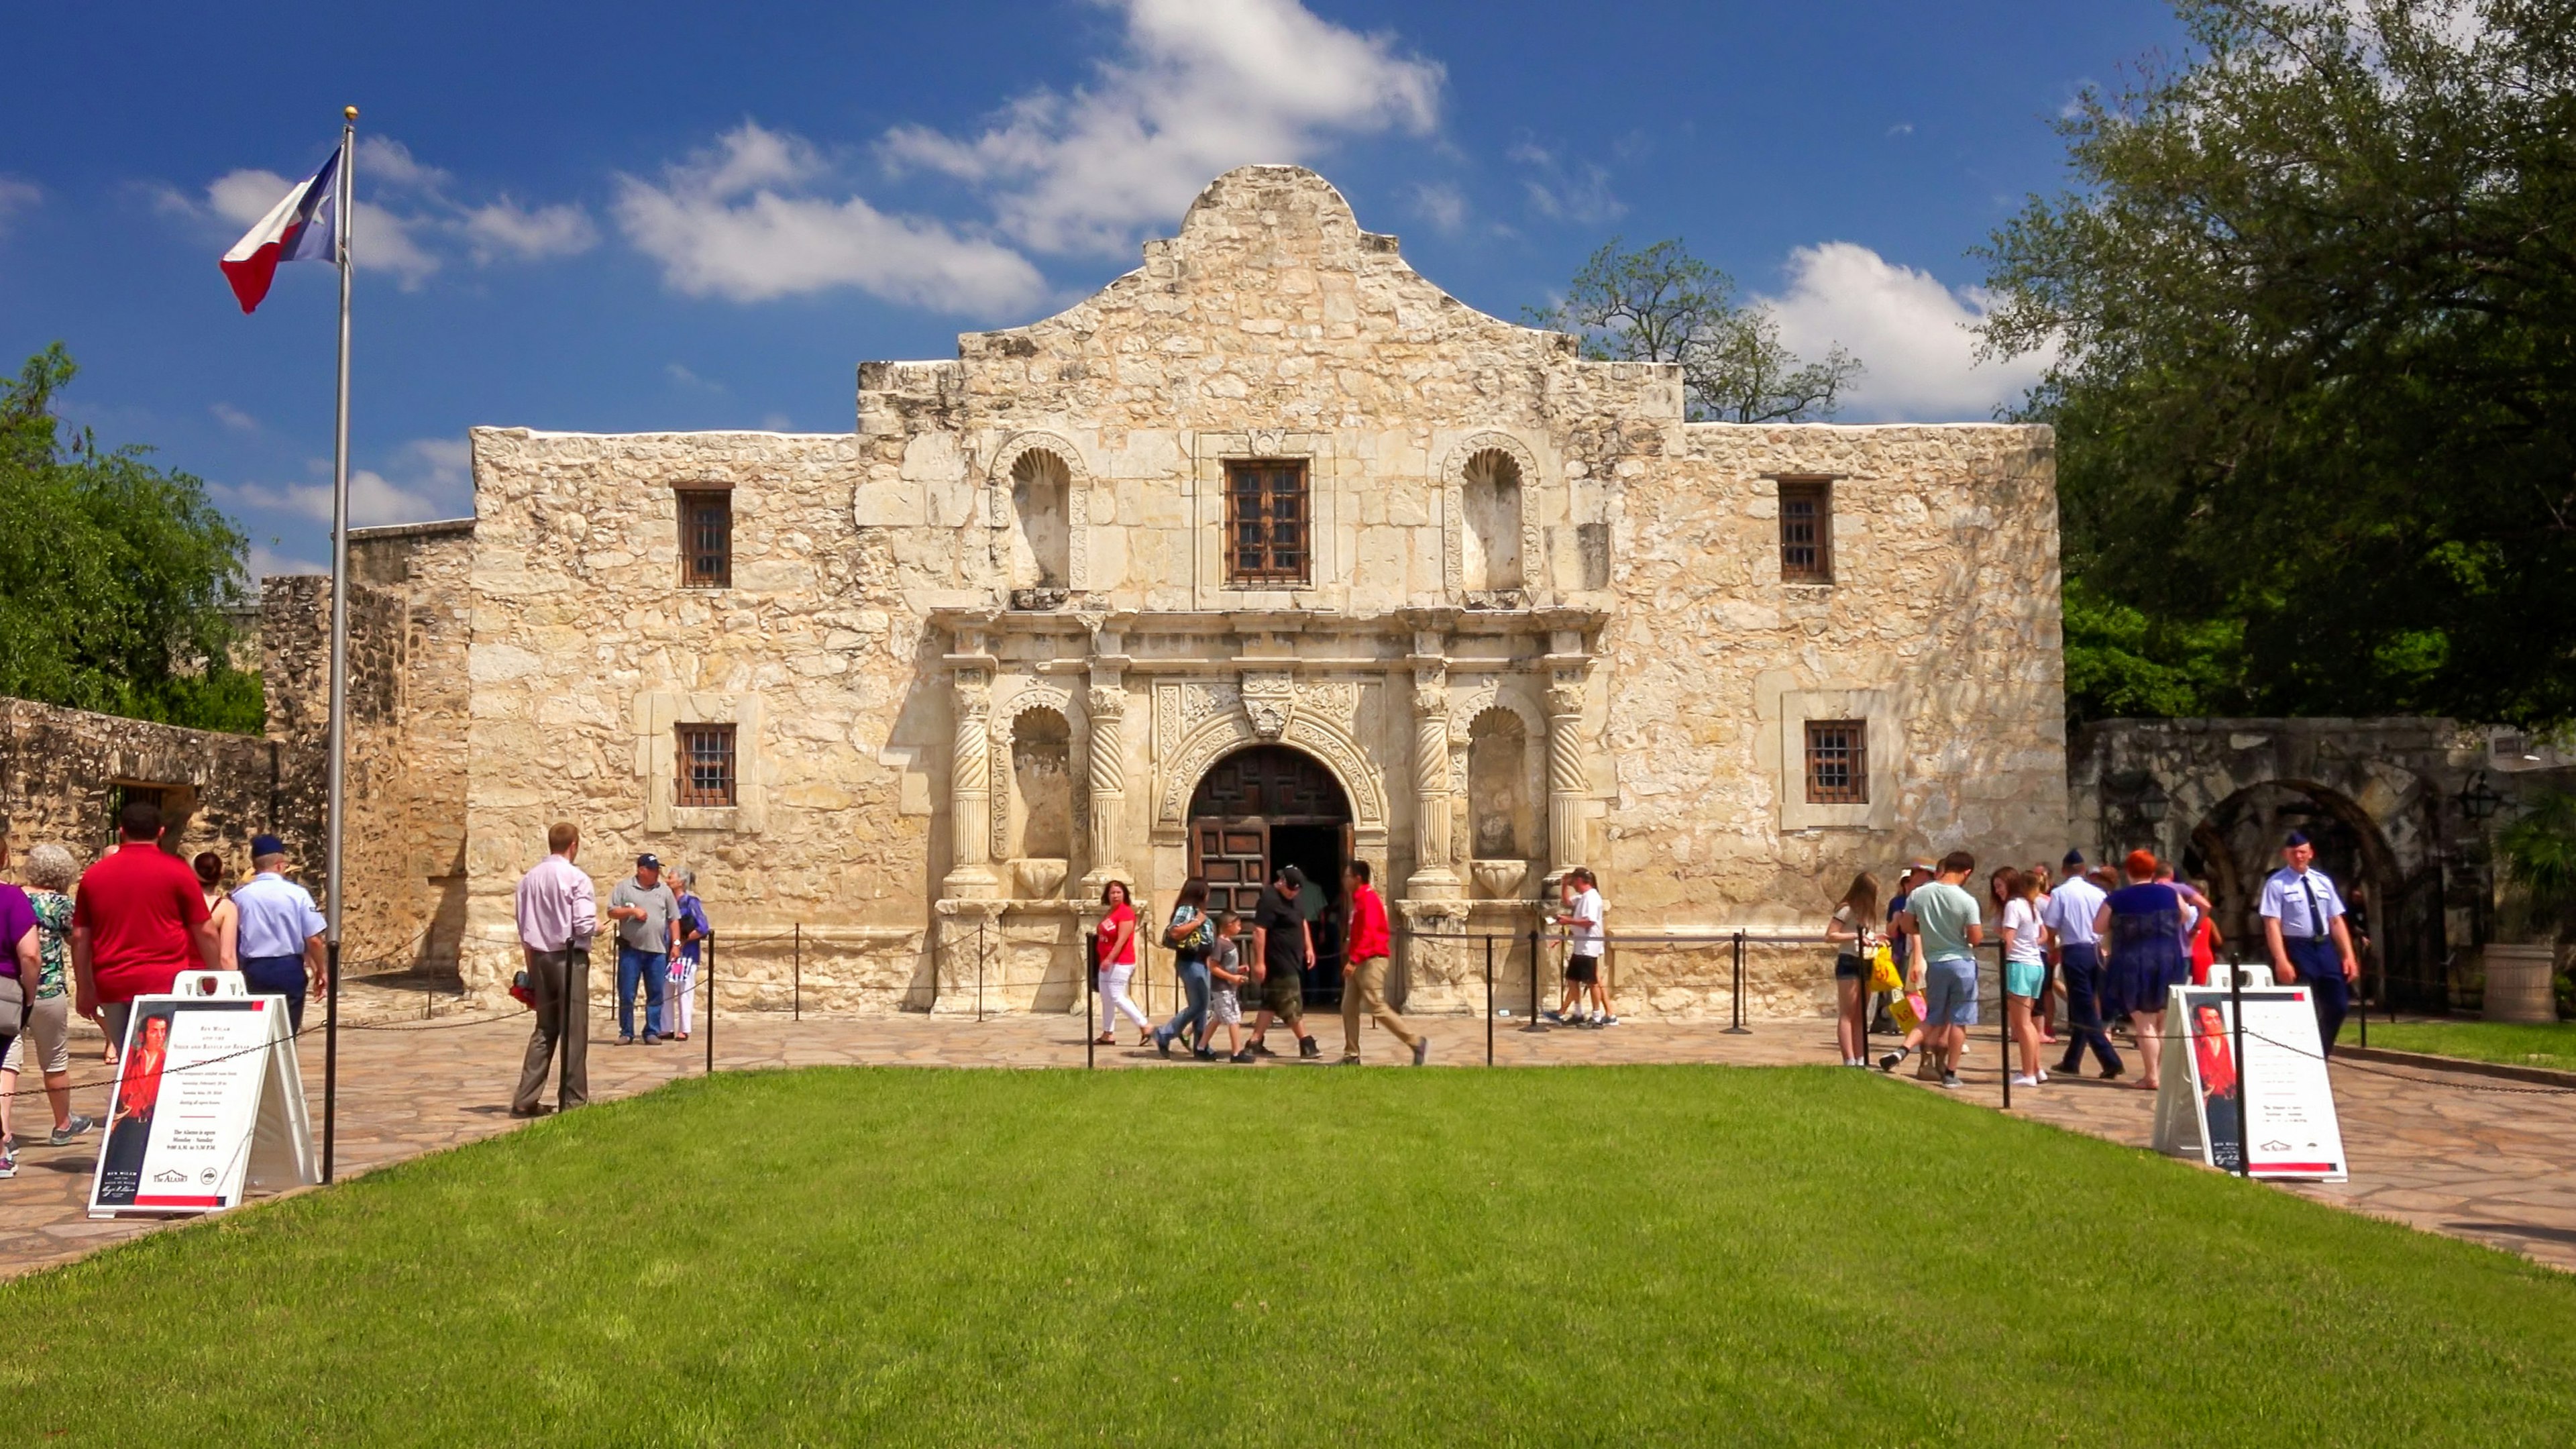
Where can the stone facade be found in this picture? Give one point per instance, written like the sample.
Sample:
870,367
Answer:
978,655
63,773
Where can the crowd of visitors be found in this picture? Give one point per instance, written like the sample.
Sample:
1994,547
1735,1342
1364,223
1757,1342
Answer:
2108,944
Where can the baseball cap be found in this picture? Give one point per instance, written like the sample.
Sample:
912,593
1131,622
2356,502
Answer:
266,845
2074,858
648,861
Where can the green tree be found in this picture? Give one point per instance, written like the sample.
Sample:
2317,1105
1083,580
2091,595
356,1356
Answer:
2314,300
1664,305
113,573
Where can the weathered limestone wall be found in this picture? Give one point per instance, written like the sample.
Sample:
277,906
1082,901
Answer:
60,769
403,849
890,615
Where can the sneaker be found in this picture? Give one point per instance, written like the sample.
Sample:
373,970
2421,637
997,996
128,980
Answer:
1244,1057
1162,1043
8,1164
1557,1017
2024,1079
1890,1062
1306,1048
1259,1048
626,1041
9,1143
63,1135
1421,1050
1203,1054
1950,1080
1608,1020
652,1039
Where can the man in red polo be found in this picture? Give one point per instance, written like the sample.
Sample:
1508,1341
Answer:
137,922
1364,969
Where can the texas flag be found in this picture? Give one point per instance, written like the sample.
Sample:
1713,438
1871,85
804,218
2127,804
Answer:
300,228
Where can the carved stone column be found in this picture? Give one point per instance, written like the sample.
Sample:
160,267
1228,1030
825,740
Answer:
970,775
1569,784
1105,766
1433,879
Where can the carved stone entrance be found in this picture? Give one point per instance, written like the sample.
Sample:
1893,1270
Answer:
1267,805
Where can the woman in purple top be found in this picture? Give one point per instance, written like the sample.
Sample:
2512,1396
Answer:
2143,956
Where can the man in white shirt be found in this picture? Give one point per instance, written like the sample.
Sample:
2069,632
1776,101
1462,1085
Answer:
2303,926
281,947
1584,916
2069,918
558,912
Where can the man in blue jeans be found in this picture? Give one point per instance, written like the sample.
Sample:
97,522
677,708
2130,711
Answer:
644,909
2069,918
1945,918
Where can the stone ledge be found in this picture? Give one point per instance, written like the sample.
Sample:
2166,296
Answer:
2541,1076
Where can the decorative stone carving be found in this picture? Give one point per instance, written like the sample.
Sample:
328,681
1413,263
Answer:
1105,765
1432,877
1039,877
1267,701
1499,880
970,785
1213,739
1567,782
1453,488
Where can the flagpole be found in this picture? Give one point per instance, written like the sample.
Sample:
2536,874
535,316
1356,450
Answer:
344,225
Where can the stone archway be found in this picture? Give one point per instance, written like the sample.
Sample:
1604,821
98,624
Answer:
2236,844
1269,805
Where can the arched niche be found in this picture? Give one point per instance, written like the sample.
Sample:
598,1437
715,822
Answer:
1042,795
1490,499
1502,812
1039,510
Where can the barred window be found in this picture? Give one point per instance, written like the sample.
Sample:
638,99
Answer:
706,764
1837,762
1806,532
1265,523
706,539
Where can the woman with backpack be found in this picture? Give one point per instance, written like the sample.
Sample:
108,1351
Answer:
1190,933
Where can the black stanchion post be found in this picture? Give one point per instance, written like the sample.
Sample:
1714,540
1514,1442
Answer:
1090,1007
1532,1024
979,968
796,976
572,1014
1737,1029
2003,1021
2244,1086
330,1057
711,1003
1489,1001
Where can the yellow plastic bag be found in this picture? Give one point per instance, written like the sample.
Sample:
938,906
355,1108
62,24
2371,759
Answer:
1882,970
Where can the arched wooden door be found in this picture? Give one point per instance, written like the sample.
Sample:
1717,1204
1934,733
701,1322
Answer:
1266,804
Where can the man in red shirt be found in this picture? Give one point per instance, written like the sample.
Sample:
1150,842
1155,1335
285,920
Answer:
1364,969
137,922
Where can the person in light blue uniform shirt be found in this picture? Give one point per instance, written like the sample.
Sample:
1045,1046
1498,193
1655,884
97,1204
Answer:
2303,926
281,932
2069,917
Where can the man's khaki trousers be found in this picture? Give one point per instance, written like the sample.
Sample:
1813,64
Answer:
1364,994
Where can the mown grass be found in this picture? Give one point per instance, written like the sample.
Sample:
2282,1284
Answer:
2534,1045
1578,1255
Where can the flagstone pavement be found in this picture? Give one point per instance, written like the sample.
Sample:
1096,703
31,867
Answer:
2442,1151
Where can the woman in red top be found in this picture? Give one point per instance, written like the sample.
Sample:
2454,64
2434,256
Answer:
1114,952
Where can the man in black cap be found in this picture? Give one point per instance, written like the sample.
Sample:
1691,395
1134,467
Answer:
1283,946
2303,926
644,910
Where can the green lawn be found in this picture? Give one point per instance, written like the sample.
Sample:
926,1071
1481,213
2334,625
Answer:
2485,1041
1604,1256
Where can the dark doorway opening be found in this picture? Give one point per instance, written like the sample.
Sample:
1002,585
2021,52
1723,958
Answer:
1268,806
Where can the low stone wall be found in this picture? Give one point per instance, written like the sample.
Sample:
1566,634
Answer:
61,771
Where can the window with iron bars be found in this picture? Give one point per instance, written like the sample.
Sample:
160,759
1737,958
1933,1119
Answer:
1806,532
1265,523
706,764
1837,762
706,539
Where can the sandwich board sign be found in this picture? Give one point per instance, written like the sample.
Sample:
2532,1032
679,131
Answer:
2271,1115
209,1100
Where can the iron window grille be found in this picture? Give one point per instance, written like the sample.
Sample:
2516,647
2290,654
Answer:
1265,523
1806,532
1837,762
706,539
706,765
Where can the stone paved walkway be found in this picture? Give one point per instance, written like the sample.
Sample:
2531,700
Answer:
2442,1151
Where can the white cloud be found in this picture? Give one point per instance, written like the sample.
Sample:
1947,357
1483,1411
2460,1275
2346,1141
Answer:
234,418
16,196
267,563
433,483
504,228
388,163
1578,193
1912,334
1442,204
680,374
1203,86
734,222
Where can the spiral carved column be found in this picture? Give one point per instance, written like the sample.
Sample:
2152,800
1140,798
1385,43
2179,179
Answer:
1432,876
1105,776
1568,784
970,792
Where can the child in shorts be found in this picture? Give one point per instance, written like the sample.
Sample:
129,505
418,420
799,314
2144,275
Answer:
1225,991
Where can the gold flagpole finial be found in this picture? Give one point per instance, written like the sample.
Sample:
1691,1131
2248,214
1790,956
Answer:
349,112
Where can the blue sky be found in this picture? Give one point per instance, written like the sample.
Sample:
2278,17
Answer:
691,216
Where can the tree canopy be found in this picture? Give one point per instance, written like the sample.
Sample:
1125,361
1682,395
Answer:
113,573
2314,299
1662,304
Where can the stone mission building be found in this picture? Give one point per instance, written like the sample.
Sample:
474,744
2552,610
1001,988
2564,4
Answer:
1269,550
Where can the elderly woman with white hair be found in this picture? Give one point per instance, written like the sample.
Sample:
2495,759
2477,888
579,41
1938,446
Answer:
49,873
691,927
